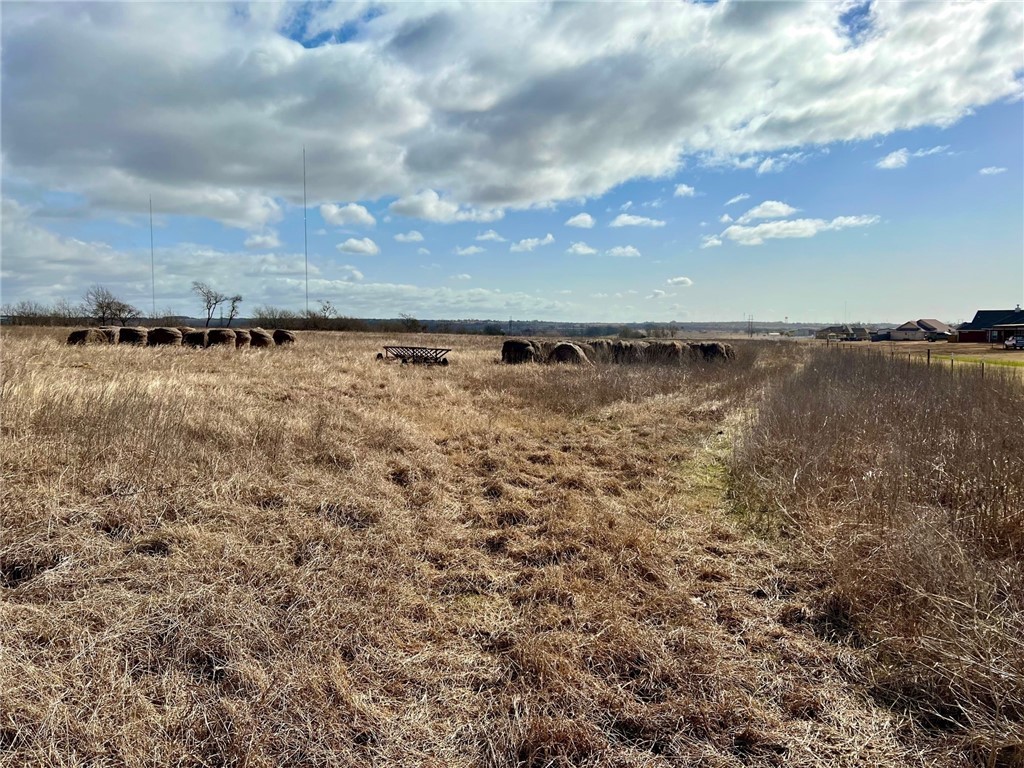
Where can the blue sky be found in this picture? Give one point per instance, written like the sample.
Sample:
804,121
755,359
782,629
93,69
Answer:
806,161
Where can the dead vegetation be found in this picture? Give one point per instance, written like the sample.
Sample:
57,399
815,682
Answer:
298,557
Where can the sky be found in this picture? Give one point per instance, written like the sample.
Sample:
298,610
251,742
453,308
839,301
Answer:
810,162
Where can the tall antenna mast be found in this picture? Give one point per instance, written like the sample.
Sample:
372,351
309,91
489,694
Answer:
152,258
305,236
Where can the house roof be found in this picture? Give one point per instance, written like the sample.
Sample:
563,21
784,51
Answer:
989,318
910,325
1013,320
930,324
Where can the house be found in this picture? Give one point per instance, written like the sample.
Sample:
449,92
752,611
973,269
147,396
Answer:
844,333
992,325
920,330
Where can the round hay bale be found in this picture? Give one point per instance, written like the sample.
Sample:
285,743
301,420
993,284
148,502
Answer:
133,335
164,336
260,338
242,338
666,352
185,329
567,352
281,336
110,332
602,350
515,351
712,351
218,336
87,336
194,338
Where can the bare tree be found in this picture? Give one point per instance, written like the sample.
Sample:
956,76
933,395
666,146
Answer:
233,308
211,299
101,304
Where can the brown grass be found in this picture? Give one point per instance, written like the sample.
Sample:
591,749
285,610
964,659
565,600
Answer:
908,479
300,556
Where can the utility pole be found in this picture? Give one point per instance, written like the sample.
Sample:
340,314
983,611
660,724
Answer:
152,258
305,236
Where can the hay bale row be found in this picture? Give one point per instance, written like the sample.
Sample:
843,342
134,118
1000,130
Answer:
615,351
183,336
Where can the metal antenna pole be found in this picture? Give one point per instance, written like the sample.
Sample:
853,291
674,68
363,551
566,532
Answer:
305,236
152,258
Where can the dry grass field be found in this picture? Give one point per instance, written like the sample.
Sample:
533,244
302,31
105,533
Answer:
298,556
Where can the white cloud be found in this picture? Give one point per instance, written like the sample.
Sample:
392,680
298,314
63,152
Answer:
769,209
793,228
684,190
346,215
470,250
725,218
738,199
629,220
657,293
429,205
490,234
626,205
710,241
462,276
423,251
497,105
580,249
364,246
320,231
623,251
683,281
350,272
412,236
780,162
581,220
991,170
532,242
897,159
901,157
266,241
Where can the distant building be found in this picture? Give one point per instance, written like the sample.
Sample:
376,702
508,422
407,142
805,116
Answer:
921,330
992,326
844,333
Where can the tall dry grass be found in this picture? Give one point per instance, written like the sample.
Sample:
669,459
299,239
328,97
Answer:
910,482
299,556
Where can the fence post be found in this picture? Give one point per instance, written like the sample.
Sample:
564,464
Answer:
929,357
983,369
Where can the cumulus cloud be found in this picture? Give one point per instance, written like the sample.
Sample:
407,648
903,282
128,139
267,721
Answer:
684,190
490,234
790,228
780,162
469,250
769,209
624,251
725,218
581,220
580,249
265,241
710,241
629,220
350,273
493,105
462,276
412,236
683,281
657,293
532,242
346,215
423,251
364,246
738,199
429,205
991,170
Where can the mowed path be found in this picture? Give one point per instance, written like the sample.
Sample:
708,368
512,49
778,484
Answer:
298,557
